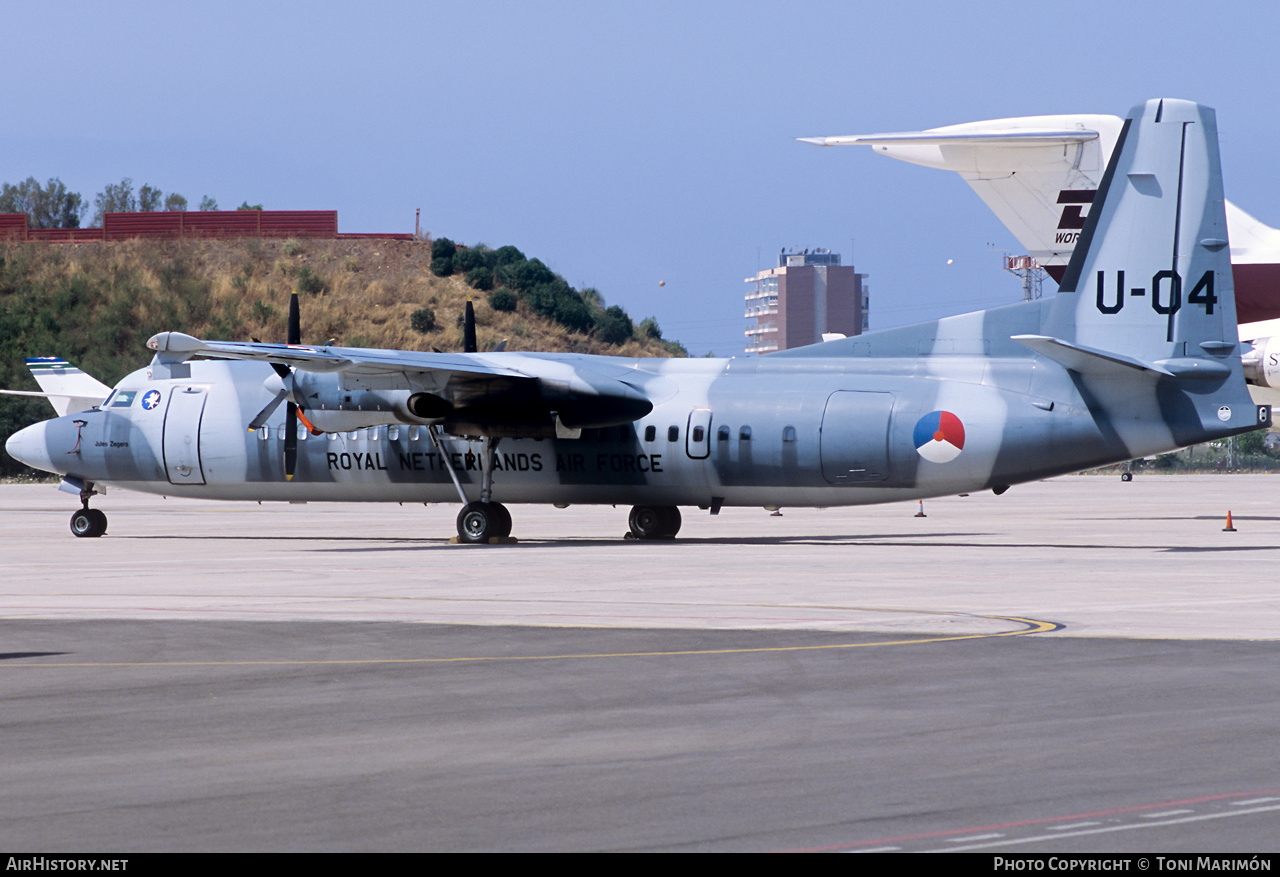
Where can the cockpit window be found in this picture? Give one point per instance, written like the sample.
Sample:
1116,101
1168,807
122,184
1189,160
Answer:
123,398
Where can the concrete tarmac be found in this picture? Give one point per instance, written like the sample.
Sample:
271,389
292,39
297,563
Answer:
1080,664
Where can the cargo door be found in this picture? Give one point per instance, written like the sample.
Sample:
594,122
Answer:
854,444
182,435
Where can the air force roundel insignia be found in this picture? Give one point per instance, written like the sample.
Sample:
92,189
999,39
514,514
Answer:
939,436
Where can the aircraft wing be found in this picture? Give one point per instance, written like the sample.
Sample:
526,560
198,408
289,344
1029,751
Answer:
482,392
350,360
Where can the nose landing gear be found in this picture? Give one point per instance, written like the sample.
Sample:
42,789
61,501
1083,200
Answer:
88,522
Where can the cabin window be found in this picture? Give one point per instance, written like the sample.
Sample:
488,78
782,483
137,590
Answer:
744,434
393,433
264,434
373,433
333,436
722,434
624,432
788,433
302,432
123,399
354,434
698,433
650,433
673,433
414,434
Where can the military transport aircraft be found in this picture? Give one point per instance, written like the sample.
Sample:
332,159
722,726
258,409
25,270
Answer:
1135,355
1039,175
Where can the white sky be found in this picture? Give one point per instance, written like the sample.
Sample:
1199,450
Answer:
622,143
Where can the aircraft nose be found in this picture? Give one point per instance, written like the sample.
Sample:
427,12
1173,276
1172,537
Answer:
30,446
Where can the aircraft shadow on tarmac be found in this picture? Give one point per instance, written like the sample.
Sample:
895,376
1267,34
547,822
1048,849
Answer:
369,544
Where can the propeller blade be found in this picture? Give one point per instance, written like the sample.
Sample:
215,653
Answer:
265,414
290,441
500,346
295,321
469,329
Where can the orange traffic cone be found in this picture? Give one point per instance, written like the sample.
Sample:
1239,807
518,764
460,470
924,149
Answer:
1228,528
921,514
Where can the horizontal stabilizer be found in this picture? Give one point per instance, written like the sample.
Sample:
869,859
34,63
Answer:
1005,137
1089,362
1097,363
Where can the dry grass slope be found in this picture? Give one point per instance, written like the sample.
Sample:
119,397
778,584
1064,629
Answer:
367,291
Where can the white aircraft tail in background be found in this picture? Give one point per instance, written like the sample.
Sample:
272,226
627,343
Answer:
1039,175
68,389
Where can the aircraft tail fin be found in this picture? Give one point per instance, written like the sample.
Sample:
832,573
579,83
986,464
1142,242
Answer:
1151,276
68,389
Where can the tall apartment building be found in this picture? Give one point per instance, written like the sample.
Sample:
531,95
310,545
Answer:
809,293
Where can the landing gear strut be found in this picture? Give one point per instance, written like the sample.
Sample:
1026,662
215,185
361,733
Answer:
483,519
654,522
88,522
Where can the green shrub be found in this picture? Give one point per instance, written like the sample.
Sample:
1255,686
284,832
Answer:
480,278
423,320
507,255
614,326
309,281
442,266
572,313
524,275
503,299
470,258
443,248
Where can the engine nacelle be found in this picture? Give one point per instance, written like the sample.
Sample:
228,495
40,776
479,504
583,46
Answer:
1262,363
334,408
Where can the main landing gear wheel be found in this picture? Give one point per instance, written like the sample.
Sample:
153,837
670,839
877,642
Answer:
654,521
88,523
1126,476
481,521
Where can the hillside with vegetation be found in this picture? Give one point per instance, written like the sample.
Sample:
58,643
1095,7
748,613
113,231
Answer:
96,304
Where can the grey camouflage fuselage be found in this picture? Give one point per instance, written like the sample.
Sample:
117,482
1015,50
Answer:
1135,355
